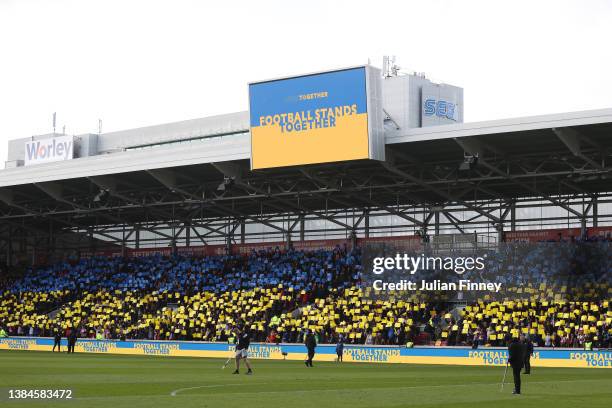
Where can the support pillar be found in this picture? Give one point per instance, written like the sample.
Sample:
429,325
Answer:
595,212
302,227
228,238
187,234
436,222
9,248
288,243
137,237
500,232
123,243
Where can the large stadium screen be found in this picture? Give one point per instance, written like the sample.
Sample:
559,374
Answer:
309,119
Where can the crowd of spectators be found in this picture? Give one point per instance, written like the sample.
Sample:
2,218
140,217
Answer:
280,294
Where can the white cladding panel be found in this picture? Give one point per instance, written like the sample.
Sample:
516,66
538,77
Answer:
396,100
376,118
403,98
213,150
175,131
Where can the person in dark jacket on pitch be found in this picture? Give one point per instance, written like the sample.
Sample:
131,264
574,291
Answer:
516,359
57,340
340,348
72,339
311,344
243,341
528,344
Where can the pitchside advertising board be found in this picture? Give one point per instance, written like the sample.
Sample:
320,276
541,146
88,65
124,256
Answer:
317,118
49,150
325,352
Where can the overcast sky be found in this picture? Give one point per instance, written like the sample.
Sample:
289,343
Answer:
137,63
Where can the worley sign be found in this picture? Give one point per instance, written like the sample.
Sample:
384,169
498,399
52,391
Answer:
49,150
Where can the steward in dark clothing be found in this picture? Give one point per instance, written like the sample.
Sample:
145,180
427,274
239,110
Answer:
516,359
311,344
57,340
72,339
340,348
528,353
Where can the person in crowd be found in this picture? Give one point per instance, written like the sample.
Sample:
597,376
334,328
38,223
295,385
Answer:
272,337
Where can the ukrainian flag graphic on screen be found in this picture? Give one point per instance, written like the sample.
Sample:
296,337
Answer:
317,118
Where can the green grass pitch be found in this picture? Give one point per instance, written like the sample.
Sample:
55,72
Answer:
118,381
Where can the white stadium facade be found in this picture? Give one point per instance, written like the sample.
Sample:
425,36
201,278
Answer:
191,184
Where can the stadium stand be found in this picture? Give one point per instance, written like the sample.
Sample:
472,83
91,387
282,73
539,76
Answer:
278,294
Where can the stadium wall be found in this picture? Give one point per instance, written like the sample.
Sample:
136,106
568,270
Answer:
372,354
554,234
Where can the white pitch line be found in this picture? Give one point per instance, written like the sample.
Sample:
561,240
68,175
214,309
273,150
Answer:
173,393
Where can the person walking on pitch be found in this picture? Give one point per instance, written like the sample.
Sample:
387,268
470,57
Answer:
311,343
516,360
242,348
528,345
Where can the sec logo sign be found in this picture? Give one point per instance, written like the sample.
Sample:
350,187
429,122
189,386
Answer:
440,108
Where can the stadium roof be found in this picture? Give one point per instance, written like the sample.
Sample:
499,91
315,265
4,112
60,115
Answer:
181,178
229,140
